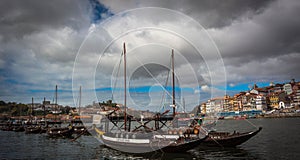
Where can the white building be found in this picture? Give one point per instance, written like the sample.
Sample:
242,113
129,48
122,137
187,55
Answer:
261,103
288,89
214,106
296,99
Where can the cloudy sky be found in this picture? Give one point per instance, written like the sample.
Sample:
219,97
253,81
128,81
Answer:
219,47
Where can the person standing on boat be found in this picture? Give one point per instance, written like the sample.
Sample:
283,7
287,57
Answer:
200,121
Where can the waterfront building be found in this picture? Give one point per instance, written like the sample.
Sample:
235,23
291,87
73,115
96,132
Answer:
34,105
275,96
48,106
226,105
244,101
218,104
208,108
249,101
231,102
273,89
288,88
263,91
254,91
261,103
203,108
237,102
274,100
214,105
296,96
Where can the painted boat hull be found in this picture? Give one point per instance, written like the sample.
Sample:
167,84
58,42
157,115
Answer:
224,139
33,130
153,143
60,133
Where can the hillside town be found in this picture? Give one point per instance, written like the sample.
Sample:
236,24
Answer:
275,98
259,100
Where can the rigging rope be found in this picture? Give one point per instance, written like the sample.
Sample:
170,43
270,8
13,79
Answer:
118,71
153,77
251,123
163,95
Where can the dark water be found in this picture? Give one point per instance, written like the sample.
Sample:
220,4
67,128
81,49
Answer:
279,139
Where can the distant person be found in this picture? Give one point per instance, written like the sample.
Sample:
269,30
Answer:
200,121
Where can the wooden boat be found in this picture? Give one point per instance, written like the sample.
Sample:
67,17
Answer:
226,139
145,143
18,128
7,126
40,127
61,132
33,129
216,138
77,124
145,139
182,145
79,128
56,131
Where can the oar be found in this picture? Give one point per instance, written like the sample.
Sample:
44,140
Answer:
74,139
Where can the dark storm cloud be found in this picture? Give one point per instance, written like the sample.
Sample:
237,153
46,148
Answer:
19,18
38,43
263,47
148,70
271,33
209,13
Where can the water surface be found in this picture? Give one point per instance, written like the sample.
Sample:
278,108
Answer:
279,139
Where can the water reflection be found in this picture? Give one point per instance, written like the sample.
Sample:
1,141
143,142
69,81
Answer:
222,153
108,153
198,153
279,139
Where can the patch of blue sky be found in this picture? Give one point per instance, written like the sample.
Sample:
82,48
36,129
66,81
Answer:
246,86
144,89
50,90
103,89
99,11
13,81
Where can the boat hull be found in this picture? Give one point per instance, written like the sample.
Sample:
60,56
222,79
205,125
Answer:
60,133
33,130
224,139
171,143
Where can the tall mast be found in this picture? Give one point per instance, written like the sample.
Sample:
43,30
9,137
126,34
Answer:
55,103
31,106
79,100
44,108
125,116
183,105
173,84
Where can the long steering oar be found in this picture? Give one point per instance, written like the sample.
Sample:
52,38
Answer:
74,139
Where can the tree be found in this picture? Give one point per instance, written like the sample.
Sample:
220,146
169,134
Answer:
2,103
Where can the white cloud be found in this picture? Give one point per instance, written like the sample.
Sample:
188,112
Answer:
205,88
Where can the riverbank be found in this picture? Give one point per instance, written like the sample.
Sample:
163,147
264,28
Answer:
272,115
280,115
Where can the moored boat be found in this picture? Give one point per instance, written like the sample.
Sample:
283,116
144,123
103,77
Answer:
56,131
33,129
227,139
151,142
60,132
145,138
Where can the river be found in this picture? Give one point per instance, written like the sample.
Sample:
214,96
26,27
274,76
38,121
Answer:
279,139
